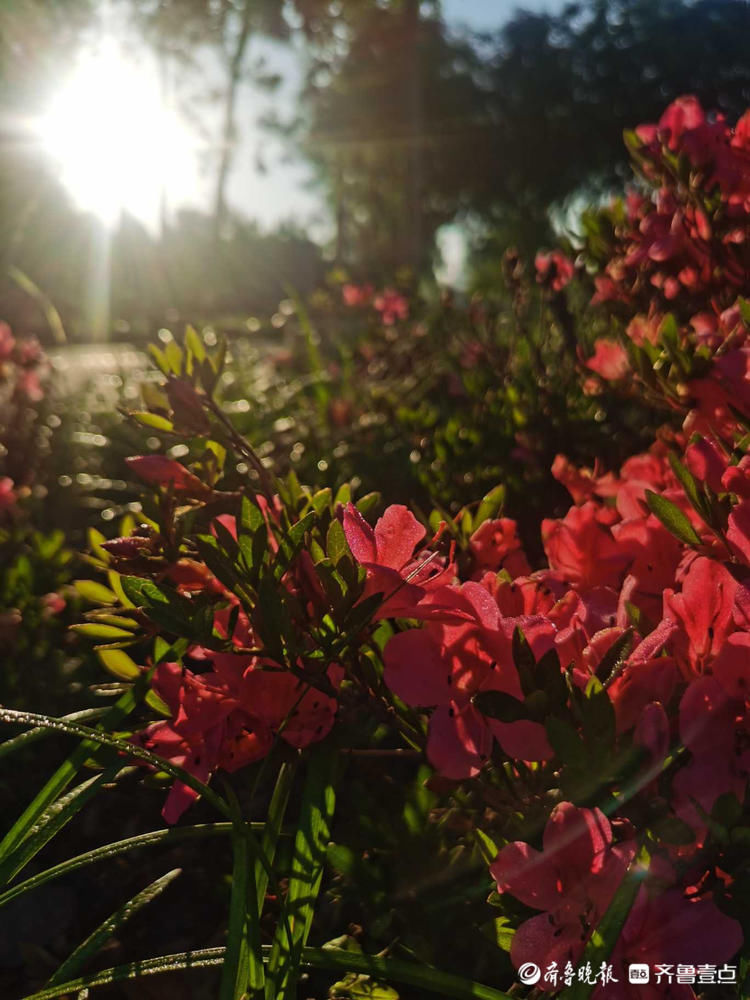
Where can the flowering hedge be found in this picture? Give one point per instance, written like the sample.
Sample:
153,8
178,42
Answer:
589,717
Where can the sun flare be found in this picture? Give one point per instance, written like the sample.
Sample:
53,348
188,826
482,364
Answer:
117,146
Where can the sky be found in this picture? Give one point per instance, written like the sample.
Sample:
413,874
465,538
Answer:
484,15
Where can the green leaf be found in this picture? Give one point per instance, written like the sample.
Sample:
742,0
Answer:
367,503
95,592
672,518
487,846
194,343
94,631
343,495
291,542
321,501
744,307
272,827
615,657
336,543
357,987
598,721
95,941
605,935
108,851
8,747
525,661
500,705
691,488
152,420
242,972
70,767
118,663
305,877
158,704
173,355
727,810
275,628
490,506
54,818
501,931
423,977
674,831
159,358
94,737
165,607
566,742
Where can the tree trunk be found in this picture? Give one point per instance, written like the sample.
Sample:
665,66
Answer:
228,133
413,83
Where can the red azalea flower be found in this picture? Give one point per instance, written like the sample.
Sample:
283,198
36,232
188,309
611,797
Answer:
7,341
387,553
609,360
703,610
669,929
495,545
447,662
158,470
391,305
227,718
581,548
554,269
8,495
573,880
715,728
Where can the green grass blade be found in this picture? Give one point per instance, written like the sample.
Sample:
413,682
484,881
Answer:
200,959
70,767
51,821
330,959
272,830
8,747
397,971
98,938
154,838
314,360
43,300
310,844
242,975
95,737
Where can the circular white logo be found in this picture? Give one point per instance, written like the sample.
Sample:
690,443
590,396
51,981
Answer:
529,973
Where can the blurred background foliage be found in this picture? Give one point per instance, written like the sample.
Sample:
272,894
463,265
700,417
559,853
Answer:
408,122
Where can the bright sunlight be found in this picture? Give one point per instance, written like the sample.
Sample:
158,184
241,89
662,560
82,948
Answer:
117,145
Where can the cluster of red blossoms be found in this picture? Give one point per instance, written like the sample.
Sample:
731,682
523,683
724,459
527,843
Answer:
690,240
659,551
23,369
390,304
644,601
613,568
227,707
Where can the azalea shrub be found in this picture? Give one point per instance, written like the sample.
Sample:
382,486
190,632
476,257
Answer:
37,603
432,399
569,722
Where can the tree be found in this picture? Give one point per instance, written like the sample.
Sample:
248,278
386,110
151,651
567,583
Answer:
563,87
410,126
384,122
